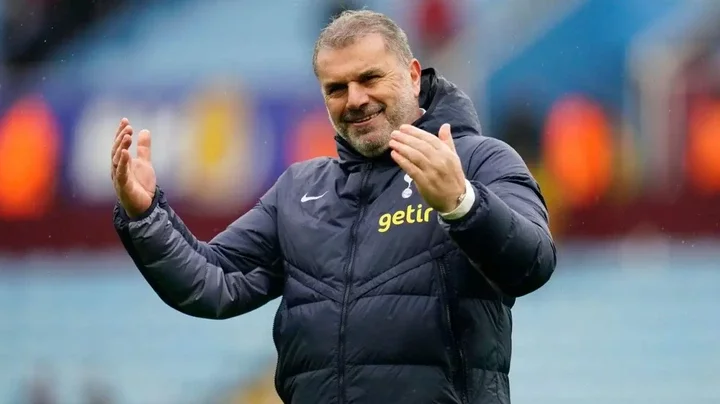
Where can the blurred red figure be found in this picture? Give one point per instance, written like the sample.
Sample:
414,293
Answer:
437,24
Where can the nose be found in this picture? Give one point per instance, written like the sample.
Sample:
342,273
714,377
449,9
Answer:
357,96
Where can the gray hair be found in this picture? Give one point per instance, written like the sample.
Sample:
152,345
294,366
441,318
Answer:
351,25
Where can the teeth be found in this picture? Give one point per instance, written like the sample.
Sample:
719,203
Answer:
368,118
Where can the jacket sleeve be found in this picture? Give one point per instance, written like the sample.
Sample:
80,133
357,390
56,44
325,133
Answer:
238,271
505,233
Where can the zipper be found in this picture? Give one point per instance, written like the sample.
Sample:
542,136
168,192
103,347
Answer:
458,356
346,293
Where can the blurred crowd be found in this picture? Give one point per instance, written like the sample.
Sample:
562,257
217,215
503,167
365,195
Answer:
615,107
605,145
32,29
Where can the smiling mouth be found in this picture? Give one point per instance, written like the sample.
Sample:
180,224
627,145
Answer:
367,118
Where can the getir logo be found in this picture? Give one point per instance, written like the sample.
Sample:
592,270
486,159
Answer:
411,214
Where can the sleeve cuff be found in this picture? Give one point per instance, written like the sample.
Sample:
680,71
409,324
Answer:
464,207
122,214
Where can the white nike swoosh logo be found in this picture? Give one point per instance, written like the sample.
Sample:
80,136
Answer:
306,198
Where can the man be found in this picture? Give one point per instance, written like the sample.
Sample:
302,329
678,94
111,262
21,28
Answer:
397,263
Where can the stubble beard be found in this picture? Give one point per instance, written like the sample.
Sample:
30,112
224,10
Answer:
375,142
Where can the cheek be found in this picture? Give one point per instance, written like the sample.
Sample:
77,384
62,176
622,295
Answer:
387,96
334,109
393,93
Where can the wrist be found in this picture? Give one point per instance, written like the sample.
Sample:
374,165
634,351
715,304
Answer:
137,210
465,202
130,213
455,202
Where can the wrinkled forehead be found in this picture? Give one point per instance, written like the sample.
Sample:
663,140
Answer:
345,63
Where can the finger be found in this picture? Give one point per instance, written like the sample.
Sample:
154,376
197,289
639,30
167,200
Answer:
124,144
122,174
116,161
445,135
418,144
123,123
421,134
143,145
415,156
127,130
411,169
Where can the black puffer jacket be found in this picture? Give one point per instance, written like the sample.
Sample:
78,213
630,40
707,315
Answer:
382,302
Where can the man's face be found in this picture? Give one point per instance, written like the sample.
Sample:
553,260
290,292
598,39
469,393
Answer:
368,92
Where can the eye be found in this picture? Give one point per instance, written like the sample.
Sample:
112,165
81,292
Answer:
370,79
334,89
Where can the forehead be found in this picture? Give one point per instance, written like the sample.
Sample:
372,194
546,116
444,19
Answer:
365,53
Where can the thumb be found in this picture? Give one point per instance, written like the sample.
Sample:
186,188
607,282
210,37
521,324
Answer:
446,136
143,145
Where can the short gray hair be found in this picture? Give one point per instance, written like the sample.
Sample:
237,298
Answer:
351,25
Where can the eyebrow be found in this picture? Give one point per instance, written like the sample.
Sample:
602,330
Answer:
366,75
369,74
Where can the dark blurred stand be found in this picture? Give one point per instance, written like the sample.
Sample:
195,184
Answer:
33,29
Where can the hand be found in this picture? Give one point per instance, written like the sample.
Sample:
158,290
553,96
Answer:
133,177
432,162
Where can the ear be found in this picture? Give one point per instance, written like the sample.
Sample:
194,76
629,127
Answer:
415,76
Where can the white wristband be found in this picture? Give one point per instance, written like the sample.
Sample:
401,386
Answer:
464,207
